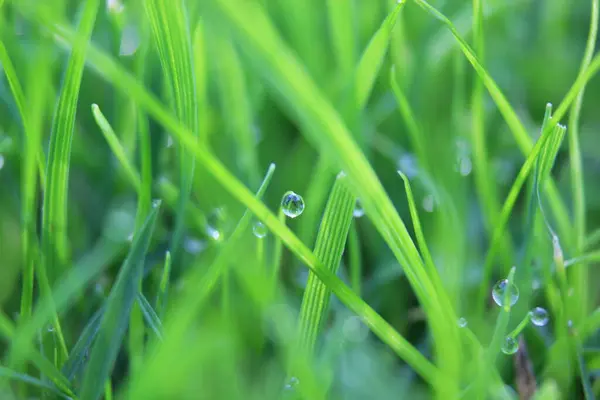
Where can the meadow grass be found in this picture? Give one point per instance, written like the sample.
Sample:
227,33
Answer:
144,257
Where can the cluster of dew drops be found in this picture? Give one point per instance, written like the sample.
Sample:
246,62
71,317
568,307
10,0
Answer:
506,294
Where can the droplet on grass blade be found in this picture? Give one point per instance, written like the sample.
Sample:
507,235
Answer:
292,204
291,384
462,322
502,292
193,245
259,229
510,345
358,210
539,316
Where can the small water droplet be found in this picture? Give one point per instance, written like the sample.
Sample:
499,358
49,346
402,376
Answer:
358,210
539,316
428,203
292,383
354,329
1,161
50,328
169,141
407,164
156,203
193,245
114,6
510,345
462,322
292,204
465,166
501,292
213,233
259,229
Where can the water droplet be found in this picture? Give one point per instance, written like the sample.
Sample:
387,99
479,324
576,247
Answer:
114,6
510,345
169,141
358,210
1,161
156,203
292,204
462,322
407,164
259,229
193,245
502,292
538,316
465,166
50,328
291,384
428,203
354,329
213,233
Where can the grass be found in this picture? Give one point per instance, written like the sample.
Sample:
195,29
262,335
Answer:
219,293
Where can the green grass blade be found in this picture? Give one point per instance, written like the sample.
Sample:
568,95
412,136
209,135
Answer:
106,67
8,373
171,34
161,298
116,315
341,32
54,215
150,316
117,148
74,364
355,264
580,275
372,58
329,248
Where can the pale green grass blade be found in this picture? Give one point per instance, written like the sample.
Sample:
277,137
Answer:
54,215
150,316
593,239
163,289
342,35
171,34
7,373
116,315
372,58
580,275
235,104
510,116
117,149
106,67
200,75
329,248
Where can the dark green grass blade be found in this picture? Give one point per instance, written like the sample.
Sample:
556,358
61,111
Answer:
116,316
7,373
54,216
329,248
150,316
172,37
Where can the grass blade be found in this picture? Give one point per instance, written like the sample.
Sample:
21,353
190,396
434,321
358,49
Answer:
328,249
150,316
161,298
116,315
171,34
8,373
54,216
80,351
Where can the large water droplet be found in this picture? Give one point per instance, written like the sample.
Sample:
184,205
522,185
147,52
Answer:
259,229
539,316
510,345
292,204
503,292
358,210
462,322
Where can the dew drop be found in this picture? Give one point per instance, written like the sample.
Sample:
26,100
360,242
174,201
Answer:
156,203
259,229
428,203
500,294
407,164
114,6
465,166
539,316
358,210
169,141
213,233
50,328
292,383
193,245
510,345
292,204
462,322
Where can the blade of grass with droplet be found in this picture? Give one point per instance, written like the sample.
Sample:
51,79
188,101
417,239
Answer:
163,289
171,34
116,315
150,316
111,71
7,373
510,116
117,149
329,248
235,104
580,275
54,210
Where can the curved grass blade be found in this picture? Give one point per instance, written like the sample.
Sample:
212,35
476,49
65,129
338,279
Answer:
80,351
580,275
54,210
329,248
7,373
171,35
150,316
116,315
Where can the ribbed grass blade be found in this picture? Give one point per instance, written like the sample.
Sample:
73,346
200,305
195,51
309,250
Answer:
172,37
8,373
150,316
116,315
329,248
54,215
